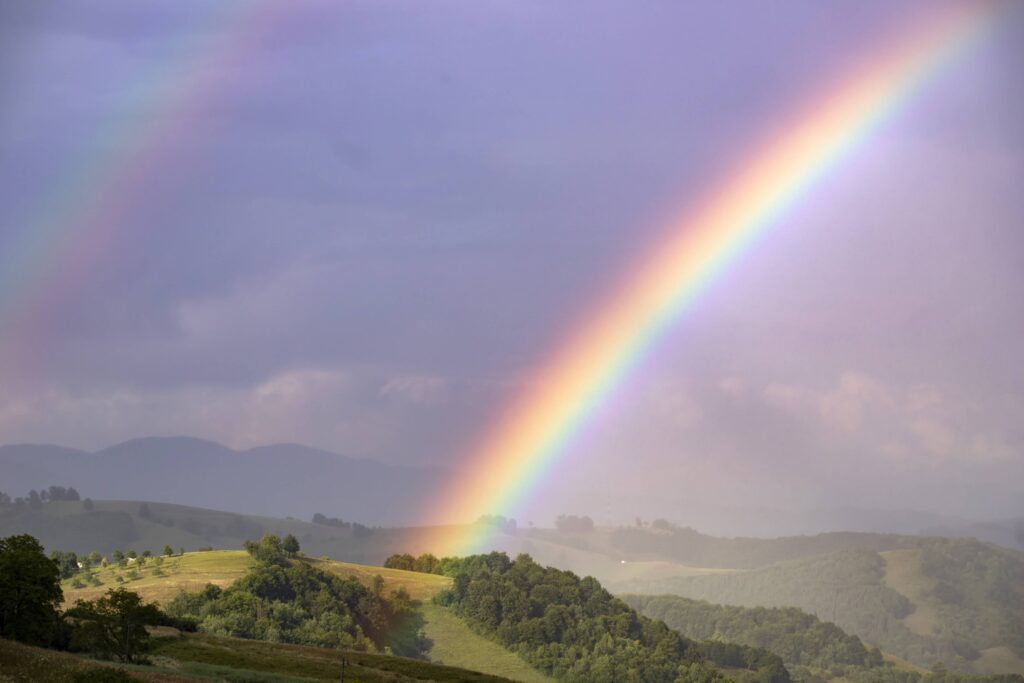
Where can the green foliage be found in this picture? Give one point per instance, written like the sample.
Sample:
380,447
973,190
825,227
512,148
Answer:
569,628
425,563
290,545
268,550
799,638
114,625
67,563
282,601
30,592
167,551
980,591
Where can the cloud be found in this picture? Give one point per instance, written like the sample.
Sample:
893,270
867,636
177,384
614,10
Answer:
423,389
926,421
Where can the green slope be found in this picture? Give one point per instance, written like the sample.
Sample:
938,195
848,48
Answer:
956,601
201,658
452,642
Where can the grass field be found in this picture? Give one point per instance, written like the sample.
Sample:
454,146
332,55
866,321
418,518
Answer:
903,575
197,657
188,572
452,641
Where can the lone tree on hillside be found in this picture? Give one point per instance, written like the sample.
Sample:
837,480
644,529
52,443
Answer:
290,545
30,591
115,625
268,549
168,551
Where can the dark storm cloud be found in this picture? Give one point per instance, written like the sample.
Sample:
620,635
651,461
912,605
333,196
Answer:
386,213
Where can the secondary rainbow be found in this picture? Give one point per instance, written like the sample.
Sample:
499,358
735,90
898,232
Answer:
600,352
77,220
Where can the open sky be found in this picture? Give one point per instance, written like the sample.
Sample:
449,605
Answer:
361,226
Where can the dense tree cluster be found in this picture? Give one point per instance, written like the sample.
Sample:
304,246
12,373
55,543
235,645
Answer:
35,499
798,637
319,518
508,525
980,588
30,593
572,524
358,530
291,601
567,627
425,563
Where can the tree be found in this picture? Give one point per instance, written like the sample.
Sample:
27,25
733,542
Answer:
88,504
290,545
147,553
181,550
168,551
115,625
67,563
268,550
30,593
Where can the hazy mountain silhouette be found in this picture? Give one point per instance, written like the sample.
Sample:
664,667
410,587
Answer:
277,480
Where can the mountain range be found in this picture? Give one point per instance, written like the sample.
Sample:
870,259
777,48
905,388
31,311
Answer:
277,480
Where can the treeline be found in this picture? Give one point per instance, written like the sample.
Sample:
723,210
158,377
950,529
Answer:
762,665
35,499
567,627
111,627
287,600
358,530
801,639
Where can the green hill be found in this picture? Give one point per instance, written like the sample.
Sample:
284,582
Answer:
450,640
955,601
802,640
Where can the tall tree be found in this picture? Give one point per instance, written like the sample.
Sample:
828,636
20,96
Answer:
115,625
30,593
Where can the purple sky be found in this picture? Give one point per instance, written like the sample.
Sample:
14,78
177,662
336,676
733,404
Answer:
387,213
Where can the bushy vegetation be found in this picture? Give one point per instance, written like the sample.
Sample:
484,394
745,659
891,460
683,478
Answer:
569,628
290,601
30,593
114,626
980,591
799,638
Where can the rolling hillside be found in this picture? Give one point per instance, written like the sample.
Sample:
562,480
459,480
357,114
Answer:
956,601
200,658
451,641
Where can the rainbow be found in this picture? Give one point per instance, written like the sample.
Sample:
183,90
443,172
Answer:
599,353
85,212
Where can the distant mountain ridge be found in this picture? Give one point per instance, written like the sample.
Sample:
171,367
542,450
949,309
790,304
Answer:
275,480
